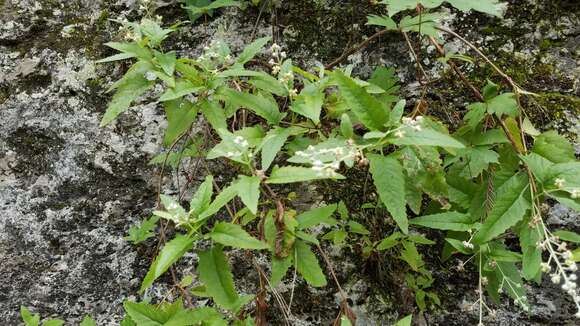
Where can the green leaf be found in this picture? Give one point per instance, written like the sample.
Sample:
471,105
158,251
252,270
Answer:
142,232
426,24
475,114
129,50
385,21
249,192
214,114
453,221
476,160
366,108
405,321
316,216
182,87
538,165
503,104
568,236
28,318
253,49
346,126
180,115
554,147
389,180
272,144
532,257
166,61
290,174
426,137
201,199
233,235
491,7
499,253
214,272
258,104
88,321
390,241
205,316
307,264
220,201
509,207
129,88
280,267
53,322
410,255
309,102
171,252
356,227
344,321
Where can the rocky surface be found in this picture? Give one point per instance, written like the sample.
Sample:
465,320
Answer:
69,190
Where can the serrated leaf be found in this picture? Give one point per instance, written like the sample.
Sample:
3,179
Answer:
272,144
554,147
214,114
410,255
316,216
205,315
425,24
389,180
166,61
142,232
249,191
568,236
346,126
390,241
503,104
130,50
171,252
509,207
309,102
201,199
280,267
28,318
180,115
143,314
258,104
532,257
182,87
220,201
290,174
214,272
366,108
88,321
356,227
307,264
128,89
453,221
426,137
405,321
252,49
233,235
385,21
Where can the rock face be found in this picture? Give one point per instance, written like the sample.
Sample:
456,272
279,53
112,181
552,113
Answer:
69,190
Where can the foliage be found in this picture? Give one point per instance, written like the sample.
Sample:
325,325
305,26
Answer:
283,126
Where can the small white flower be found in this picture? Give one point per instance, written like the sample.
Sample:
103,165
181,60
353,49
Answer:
150,75
555,278
272,62
545,267
399,133
317,163
407,121
293,92
467,244
559,182
577,315
230,154
282,54
417,127
575,193
275,69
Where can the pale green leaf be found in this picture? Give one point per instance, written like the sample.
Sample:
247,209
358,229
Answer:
234,235
410,255
28,318
220,201
309,102
88,321
53,322
214,114
453,221
426,137
214,272
372,113
129,88
252,49
166,61
249,192
389,180
509,207
171,252
272,144
385,21
290,174
307,264
405,321
568,236
280,267
201,199
554,147
316,216
258,104
180,115
390,241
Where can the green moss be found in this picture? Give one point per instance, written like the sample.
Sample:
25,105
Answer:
102,20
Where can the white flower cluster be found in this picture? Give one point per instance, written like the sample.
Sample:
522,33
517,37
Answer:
467,244
211,52
242,143
414,123
327,169
566,267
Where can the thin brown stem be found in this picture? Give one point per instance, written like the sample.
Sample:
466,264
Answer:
357,48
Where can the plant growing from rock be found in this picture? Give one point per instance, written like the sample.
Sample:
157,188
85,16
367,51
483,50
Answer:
278,126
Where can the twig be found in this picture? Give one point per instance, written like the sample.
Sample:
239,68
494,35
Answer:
357,48
416,58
